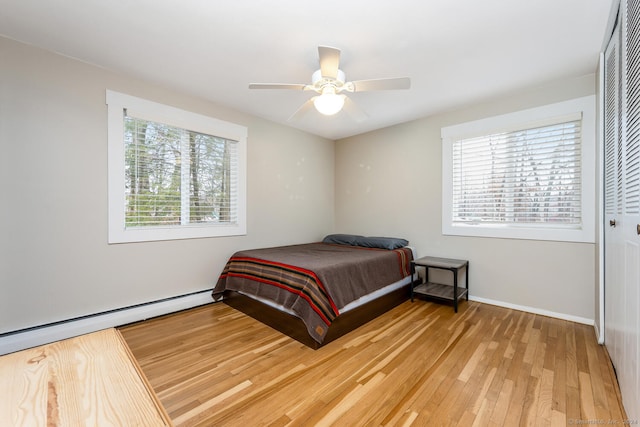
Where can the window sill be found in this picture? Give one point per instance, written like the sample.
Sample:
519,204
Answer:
559,234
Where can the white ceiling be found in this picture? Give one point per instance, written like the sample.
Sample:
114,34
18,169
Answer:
455,52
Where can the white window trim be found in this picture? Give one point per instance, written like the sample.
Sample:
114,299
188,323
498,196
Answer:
153,111
521,120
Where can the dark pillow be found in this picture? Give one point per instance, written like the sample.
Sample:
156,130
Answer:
342,239
381,242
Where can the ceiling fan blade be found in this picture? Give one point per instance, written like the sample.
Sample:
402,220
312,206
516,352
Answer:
354,111
302,111
277,86
329,61
381,84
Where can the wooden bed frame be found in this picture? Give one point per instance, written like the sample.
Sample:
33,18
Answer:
294,327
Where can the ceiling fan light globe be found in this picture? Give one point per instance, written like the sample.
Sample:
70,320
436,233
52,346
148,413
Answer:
329,103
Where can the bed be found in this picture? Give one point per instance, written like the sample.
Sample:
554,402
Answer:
317,292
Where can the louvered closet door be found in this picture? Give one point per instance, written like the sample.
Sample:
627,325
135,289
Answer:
613,196
622,205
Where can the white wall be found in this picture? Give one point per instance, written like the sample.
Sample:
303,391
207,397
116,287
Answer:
55,262
389,182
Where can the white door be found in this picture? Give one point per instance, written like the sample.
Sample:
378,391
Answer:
622,204
612,197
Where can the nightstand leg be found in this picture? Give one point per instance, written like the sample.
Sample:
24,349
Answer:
455,290
413,270
467,281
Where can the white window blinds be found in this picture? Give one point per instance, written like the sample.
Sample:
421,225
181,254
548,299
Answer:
522,177
177,177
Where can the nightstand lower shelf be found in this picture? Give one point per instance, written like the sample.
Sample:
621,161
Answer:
436,290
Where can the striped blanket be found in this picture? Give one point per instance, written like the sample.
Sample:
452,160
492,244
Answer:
314,280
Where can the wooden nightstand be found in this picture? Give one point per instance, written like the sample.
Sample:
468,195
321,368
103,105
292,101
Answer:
436,290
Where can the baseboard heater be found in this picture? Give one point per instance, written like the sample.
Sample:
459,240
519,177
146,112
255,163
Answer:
44,334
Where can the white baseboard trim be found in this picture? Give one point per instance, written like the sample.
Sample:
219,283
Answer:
45,334
599,335
534,310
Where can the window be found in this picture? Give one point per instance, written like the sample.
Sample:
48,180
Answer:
173,174
528,175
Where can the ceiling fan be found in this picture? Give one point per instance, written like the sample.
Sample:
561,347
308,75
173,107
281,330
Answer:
329,82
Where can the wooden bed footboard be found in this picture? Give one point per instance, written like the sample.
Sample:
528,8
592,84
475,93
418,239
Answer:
294,327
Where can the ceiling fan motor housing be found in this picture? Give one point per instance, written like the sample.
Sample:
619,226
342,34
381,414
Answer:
319,81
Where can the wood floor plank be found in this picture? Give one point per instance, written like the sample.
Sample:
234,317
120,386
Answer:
545,397
502,404
419,364
559,404
611,385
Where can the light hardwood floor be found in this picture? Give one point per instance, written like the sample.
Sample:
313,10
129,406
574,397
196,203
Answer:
417,365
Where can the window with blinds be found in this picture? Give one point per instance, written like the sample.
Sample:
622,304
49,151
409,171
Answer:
529,174
173,174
